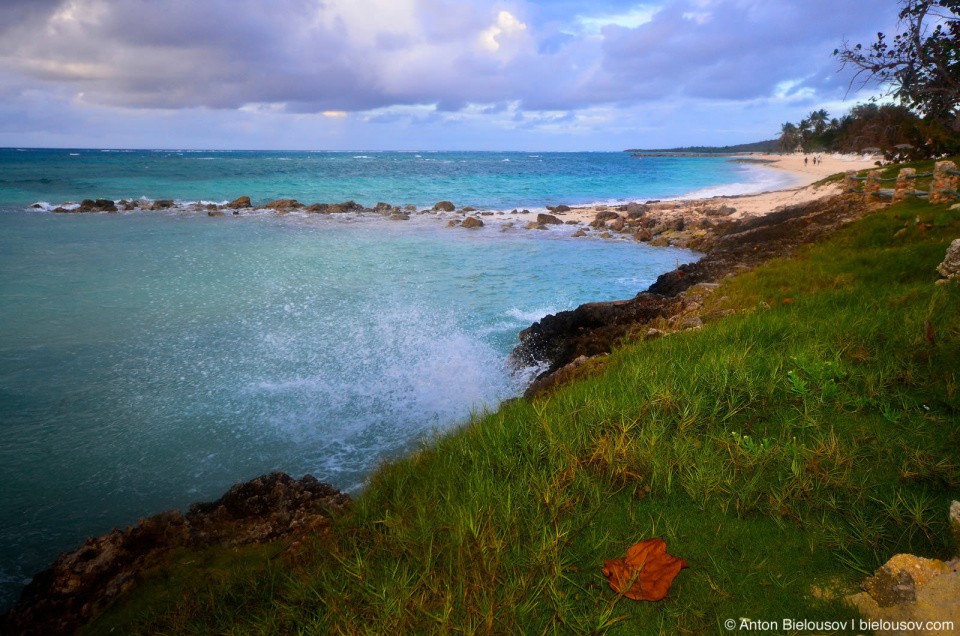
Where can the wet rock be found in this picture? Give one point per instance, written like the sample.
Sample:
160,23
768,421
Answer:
616,226
81,583
162,204
399,217
444,206
471,221
61,210
36,206
318,208
548,219
283,204
534,226
643,234
239,203
578,234
572,222
468,209
949,269
606,235
559,209
486,214
410,208
453,223
215,213
382,207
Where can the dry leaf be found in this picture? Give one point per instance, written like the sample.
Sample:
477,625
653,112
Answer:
647,573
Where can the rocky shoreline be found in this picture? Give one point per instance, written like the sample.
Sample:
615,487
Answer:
565,341
82,583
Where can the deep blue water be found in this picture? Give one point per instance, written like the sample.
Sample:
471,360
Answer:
152,359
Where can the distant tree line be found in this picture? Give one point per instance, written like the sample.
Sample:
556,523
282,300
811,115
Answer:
891,129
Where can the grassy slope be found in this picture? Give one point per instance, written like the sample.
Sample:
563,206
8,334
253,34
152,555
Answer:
777,451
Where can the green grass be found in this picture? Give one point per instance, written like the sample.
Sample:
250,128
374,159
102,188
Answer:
783,452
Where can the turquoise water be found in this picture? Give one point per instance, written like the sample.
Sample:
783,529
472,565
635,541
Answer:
479,179
148,360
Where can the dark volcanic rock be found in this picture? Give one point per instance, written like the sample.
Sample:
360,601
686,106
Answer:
80,584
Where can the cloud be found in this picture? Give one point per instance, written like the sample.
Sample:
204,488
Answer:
545,59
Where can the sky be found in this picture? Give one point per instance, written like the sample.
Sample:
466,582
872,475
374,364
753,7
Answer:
421,74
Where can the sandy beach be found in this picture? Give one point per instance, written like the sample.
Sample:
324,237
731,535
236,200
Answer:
747,205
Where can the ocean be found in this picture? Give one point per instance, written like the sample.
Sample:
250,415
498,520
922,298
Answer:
153,359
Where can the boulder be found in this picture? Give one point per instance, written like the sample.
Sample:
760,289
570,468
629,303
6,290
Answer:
453,223
949,269
469,209
318,208
486,214
548,219
578,234
606,235
399,217
559,209
239,202
350,206
381,206
471,221
162,204
636,210
572,222
643,234
444,206
36,206
692,322
616,226
215,213
605,216
534,226
723,210
283,204
410,208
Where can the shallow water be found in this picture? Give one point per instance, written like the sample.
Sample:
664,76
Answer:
148,360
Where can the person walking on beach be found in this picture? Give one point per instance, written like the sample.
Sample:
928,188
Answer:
804,161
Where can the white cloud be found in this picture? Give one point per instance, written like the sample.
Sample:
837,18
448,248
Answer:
506,27
635,17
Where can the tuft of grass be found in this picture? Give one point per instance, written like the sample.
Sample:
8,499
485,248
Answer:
781,452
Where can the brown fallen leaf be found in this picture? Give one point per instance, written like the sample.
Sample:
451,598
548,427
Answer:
928,332
646,574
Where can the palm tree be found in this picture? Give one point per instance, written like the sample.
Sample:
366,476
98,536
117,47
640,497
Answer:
788,138
818,120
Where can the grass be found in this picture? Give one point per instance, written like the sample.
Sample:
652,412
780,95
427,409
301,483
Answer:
784,453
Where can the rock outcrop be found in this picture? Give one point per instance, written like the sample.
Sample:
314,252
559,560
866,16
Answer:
593,329
949,269
471,221
81,583
444,206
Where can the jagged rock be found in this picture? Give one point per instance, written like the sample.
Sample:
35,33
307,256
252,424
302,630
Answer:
571,222
911,589
949,269
603,217
162,204
616,225
643,234
444,206
81,583
239,202
548,219
636,210
606,235
36,206
559,209
471,221
381,206
578,234
318,208
283,204
453,223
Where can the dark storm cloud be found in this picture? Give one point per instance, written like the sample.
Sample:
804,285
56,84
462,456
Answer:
339,55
